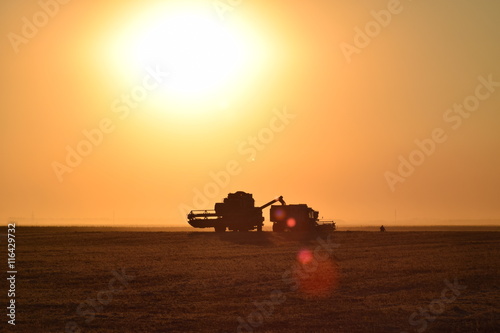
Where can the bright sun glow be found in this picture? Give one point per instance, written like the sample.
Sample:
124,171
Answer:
202,53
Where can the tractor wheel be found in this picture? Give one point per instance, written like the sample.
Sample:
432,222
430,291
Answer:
220,228
277,228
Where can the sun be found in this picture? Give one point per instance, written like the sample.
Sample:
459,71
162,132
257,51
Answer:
203,54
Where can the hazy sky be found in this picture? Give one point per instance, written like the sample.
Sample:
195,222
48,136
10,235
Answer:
356,108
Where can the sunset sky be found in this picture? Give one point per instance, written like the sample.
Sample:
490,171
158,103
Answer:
149,108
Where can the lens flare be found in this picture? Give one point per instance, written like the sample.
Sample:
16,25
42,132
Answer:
279,214
291,222
305,256
317,276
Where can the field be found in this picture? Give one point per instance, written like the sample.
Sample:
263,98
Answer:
119,280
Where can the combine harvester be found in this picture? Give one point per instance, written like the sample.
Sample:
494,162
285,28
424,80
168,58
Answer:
238,213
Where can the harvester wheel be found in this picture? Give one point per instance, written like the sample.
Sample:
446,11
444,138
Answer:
259,228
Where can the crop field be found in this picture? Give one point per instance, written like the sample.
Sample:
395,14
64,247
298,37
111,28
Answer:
126,280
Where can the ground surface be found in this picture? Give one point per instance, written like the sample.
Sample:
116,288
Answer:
242,282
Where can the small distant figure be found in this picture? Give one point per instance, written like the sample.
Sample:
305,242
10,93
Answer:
382,228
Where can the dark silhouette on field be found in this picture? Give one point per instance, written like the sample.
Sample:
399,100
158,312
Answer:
238,212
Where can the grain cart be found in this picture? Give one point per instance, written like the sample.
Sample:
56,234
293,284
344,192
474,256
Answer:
237,212
299,218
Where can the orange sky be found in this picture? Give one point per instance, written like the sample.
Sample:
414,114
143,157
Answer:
354,110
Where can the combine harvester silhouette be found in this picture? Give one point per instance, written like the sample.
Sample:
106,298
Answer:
238,213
